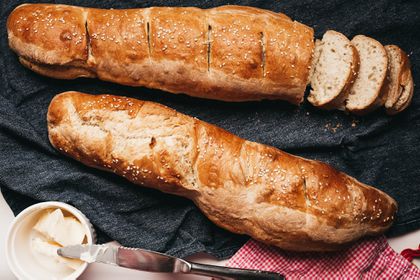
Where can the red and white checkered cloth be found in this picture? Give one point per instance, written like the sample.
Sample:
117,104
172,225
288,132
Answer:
370,258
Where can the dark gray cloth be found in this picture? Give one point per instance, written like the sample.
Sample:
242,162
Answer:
379,150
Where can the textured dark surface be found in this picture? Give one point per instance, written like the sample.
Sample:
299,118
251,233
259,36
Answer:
378,150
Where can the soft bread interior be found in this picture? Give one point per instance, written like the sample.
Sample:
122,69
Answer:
365,93
331,70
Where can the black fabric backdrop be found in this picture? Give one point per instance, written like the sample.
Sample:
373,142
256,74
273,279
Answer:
376,149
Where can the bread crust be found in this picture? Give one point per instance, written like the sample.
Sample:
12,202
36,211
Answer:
228,53
242,186
407,84
57,71
398,92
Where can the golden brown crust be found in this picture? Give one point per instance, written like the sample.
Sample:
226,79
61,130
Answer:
249,10
48,34
245,187
228,53
115,49
57,71
288,57
236,44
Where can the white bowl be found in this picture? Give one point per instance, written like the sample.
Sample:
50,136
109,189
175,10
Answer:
18,253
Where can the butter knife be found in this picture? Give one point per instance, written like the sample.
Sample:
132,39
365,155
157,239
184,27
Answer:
146,260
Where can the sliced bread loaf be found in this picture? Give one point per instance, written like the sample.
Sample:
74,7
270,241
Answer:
399,87
366,94
330,84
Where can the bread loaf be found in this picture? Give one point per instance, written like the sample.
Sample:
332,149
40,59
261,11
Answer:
242,186
229,53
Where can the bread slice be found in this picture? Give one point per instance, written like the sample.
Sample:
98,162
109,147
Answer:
334,68
366,94
399,87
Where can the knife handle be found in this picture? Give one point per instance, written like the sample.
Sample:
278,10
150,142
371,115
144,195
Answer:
233,273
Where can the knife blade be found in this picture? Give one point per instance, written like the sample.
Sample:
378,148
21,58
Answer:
127,257
150,261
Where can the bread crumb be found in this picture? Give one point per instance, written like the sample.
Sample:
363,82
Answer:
332,128
354,123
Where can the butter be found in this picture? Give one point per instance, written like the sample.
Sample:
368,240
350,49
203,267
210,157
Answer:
52,231
62,230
